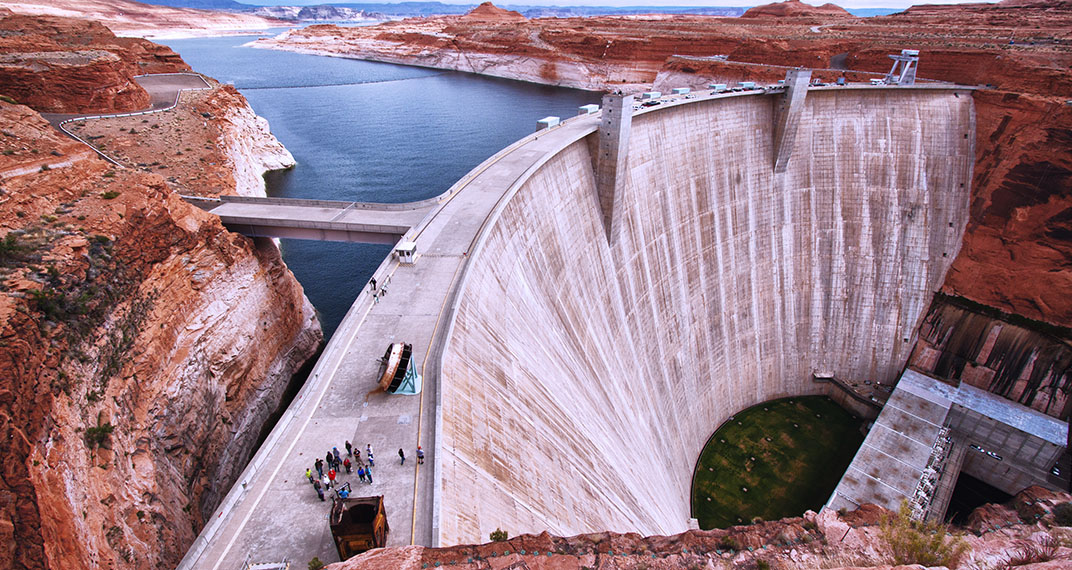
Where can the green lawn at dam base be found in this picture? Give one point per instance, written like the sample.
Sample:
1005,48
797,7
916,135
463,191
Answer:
773,460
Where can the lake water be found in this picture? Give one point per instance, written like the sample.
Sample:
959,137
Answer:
370,132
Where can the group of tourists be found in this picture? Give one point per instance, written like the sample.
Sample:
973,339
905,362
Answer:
334,462
329,469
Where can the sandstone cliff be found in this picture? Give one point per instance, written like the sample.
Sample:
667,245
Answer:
795,9
132,18
95,68
142,346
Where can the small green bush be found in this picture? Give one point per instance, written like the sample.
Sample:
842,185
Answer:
99,435
762,565
109,195
919,542
499,535
315,563
729,543
11,249
8,99
1062,514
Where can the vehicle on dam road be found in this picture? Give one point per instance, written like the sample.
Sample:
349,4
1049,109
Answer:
358,524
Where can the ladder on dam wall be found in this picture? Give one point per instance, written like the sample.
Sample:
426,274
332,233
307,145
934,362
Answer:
250,565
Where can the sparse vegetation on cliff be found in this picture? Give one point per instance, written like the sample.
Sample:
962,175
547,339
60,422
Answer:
99,435
918,542
13,250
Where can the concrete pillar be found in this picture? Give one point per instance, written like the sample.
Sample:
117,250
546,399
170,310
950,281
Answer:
787,116
613,155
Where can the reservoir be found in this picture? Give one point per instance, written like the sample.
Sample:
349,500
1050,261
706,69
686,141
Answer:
372,132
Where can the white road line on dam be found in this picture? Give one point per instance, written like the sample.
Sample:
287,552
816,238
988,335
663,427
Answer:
272,513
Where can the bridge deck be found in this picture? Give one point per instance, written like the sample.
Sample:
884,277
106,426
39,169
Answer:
341,221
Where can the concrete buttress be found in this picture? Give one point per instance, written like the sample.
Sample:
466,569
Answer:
613,155
787,115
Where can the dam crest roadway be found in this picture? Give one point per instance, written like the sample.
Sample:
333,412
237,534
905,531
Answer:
483,407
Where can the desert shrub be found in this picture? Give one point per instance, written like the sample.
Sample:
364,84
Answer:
919,542
498,535
1033,552
1062,514
99,435
729,543
8,99
315,563
109,195
12,249
762,565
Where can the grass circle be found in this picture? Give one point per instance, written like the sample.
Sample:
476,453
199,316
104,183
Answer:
786,471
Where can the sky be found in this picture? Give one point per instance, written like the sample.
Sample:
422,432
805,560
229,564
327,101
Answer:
842,3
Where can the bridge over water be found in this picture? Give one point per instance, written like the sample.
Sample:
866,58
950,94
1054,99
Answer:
325,220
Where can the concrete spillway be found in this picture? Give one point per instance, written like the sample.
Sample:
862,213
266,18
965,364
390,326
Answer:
581,376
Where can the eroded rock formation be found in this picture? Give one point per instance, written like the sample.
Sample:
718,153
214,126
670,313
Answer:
142,345
132,18
95,69
995,535
796,9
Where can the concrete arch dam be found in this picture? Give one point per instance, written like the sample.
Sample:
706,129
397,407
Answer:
581,375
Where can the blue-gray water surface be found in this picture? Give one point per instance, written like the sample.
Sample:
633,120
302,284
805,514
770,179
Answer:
371,132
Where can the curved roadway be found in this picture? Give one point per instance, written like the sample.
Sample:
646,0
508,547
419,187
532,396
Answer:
163,89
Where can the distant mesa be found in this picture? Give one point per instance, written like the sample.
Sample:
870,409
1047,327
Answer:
491,13
796,9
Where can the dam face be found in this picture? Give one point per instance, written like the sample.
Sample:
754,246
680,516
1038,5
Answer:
582,376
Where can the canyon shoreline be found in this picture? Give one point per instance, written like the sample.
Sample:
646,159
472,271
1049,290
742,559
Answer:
143,345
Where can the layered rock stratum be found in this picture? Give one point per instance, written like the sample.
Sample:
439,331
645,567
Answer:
142,345
95,68
130,18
